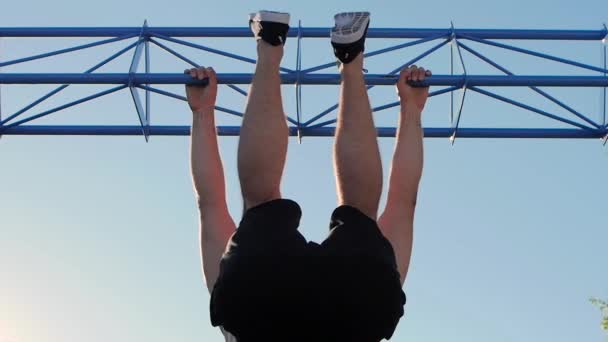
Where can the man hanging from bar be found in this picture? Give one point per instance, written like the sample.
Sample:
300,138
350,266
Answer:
267,282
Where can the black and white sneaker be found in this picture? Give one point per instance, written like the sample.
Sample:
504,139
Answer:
348,35
270,26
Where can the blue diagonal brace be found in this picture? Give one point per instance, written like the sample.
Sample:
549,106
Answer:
457,44
191,62
64,86
464,88
63,51
455,127
386,106
530,108
535,89
67,105
533,53
391,73
183,98
211,50
380,51
142,112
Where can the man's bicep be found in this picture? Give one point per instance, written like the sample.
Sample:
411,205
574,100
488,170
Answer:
216,227
397,225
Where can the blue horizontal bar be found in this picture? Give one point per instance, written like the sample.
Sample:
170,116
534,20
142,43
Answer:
310,32
431,132
241,78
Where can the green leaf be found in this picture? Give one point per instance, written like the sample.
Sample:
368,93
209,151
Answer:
603,306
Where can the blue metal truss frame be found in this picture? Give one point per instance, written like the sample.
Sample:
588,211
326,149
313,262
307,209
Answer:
583,128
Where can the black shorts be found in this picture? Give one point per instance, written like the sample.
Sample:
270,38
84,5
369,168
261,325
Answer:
275,286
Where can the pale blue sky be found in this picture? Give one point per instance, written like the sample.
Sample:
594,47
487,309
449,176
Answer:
98,235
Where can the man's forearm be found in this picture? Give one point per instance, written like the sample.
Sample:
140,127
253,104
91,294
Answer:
406,170
205,161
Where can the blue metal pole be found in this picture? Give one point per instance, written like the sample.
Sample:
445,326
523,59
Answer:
174,53
605,58
535,89
319,79
147,68
371,85
309,32
419,57
378,52
211,50
133,87
404,45
452,74
192,63
534,53
298,84
183,98
383,107
1,50
396,103
530,133
464,68
530,108
62,51
61,88
68,105
455,127
323,124
320,115
464,88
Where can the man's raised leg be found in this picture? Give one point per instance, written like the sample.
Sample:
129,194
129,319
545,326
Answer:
355,246
259,272
356,155
263,140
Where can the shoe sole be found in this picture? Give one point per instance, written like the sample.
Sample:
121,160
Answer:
271,16
351,31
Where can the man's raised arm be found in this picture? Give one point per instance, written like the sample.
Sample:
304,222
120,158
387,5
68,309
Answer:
216,225
397,221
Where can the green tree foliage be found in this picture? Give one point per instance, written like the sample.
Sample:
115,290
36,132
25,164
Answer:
603,305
